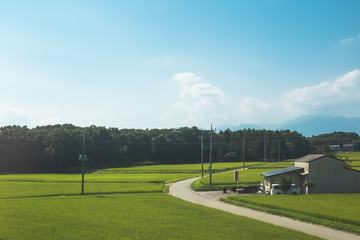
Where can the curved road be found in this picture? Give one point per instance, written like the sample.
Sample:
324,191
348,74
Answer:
183,190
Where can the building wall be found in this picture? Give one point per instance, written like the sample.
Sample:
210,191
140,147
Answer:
303,165
295,176
330,176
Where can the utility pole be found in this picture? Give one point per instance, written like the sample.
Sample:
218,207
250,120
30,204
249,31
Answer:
278,150
82,158
264,152
210,167
243,151
202,154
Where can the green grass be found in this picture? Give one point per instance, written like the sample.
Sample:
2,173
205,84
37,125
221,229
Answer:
350,155
354,157
334,210
119,180
176,168
94,177
127,216
250,176
25,185
14,189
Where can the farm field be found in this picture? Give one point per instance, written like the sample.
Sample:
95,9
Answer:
127,216
113,180
333,210
249,176
183,168
48,206
354,158
20,185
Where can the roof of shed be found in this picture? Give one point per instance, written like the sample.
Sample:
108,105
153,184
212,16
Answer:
310,157
281,171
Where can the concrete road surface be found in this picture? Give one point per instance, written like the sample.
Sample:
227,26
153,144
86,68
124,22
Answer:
183,190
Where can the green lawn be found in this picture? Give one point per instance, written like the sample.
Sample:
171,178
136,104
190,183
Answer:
127,216
249,176
334,210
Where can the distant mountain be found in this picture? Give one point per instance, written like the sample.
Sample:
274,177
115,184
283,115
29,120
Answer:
319,124
307,125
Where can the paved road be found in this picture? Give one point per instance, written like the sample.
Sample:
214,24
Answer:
183,190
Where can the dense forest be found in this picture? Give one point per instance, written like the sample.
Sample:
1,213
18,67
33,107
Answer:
57,148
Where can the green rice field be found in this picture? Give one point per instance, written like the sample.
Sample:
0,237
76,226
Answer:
333,210
127,216
19,185
354,158
182,168
250,176
118,204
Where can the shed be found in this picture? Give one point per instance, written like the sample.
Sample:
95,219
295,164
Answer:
273,176
328,173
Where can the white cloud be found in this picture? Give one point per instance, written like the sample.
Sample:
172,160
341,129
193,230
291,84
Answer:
199,102
346,40
200,90
11,115
346,87
186,78
340,97
349,40
14,116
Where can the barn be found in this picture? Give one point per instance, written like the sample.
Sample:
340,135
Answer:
329,175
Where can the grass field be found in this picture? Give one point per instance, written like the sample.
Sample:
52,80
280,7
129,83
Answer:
176,168
20,185
47,206
334,210
249,176
127,216
113,180
354,158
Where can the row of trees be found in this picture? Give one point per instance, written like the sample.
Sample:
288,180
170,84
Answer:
56,148
321,143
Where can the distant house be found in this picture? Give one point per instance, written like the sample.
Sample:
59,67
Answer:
335,148
328,173
348,147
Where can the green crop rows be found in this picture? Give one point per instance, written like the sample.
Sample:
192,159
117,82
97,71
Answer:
127,216
118,205
334,210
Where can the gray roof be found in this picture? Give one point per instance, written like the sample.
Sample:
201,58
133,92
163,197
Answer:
310,157
281,171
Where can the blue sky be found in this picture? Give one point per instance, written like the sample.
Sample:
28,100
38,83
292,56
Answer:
162,64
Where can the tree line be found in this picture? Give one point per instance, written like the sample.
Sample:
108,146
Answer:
56,148
322,142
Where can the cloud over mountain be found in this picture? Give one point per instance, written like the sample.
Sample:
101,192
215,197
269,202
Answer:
341,97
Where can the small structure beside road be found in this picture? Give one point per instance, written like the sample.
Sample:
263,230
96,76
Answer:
328,174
